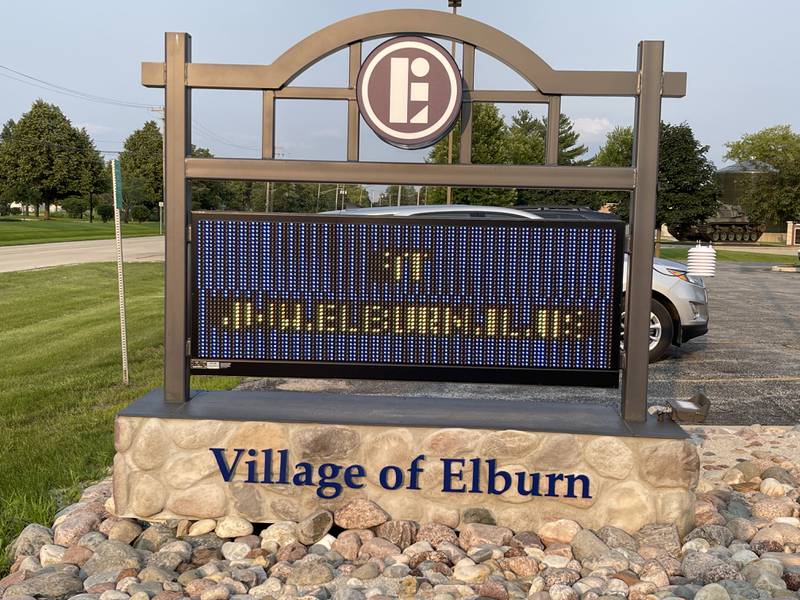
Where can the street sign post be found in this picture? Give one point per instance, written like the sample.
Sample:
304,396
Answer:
116,177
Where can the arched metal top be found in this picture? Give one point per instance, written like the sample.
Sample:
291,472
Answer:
340,35
368,26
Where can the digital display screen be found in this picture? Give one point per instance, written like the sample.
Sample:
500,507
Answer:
512,301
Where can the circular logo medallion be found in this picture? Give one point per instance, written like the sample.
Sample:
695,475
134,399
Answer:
409,91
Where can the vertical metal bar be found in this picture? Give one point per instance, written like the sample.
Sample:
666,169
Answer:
178,131
553,122
468,72
268,125
646,131
353,118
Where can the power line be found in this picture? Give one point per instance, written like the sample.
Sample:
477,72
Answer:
72,92
59,89
202,129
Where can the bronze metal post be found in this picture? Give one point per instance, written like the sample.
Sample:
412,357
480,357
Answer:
178,143
642,218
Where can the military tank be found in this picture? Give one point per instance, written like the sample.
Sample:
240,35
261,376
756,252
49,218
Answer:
731,224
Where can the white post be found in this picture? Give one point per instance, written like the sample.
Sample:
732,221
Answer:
116,175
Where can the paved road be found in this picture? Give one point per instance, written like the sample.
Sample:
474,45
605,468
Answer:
748,364
37,256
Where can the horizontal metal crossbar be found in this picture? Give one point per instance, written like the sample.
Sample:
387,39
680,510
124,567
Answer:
259,77
369,173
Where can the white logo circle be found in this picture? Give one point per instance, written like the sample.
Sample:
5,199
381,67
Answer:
409,91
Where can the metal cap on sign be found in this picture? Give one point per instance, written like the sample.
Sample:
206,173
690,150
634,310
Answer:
409,91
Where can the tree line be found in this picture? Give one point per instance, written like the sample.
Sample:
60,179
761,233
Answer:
45,160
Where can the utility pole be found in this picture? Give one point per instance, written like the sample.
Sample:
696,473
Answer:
162,115
399,191
454,4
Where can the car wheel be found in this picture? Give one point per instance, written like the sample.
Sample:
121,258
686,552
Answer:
661,330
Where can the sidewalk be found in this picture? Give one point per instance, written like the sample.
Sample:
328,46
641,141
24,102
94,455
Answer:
38,256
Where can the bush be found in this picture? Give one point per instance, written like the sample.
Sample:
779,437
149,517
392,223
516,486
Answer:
5,208
75,206
15,210
105,212
140,213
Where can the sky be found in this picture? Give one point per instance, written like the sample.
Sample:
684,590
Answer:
741,58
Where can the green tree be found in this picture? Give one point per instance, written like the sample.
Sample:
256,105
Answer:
528,145
408,195
43,151
772,196
687,190
142,159
94,177
490,145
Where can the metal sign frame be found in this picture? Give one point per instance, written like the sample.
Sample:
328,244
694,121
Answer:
473,374
648,84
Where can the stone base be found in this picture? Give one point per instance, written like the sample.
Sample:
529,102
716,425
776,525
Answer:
165,468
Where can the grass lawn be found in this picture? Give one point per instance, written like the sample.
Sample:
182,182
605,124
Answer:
681,255
16,230
60,373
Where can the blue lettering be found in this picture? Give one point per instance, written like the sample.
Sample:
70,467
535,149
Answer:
494,473
351,473
571,479
449,474
397,476
224,470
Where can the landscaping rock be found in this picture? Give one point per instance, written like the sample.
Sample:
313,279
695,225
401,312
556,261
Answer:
360,514
31,539
314,527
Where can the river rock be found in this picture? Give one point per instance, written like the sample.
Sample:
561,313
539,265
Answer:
477,533
202,526
74,526
314,527
55,585
716,535
663,536
401,533
124,531
471,573
360,514
233,527
31,539
771,508
712,591
435,534
614,537
559,531
311,573
112,555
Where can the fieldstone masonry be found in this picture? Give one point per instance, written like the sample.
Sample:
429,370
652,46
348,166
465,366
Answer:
164,469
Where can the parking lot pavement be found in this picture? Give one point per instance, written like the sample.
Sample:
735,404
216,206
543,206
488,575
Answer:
748,364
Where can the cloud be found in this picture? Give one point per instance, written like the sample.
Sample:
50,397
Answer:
592,128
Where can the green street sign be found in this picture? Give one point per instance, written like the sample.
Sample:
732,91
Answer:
117,177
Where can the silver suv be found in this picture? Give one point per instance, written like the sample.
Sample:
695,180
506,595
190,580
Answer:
679,310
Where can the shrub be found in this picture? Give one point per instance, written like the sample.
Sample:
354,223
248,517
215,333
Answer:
75,206
105,212
140,213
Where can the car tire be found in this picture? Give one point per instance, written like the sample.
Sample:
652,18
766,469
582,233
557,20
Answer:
659,315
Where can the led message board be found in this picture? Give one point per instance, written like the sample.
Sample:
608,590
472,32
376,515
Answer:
530,301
